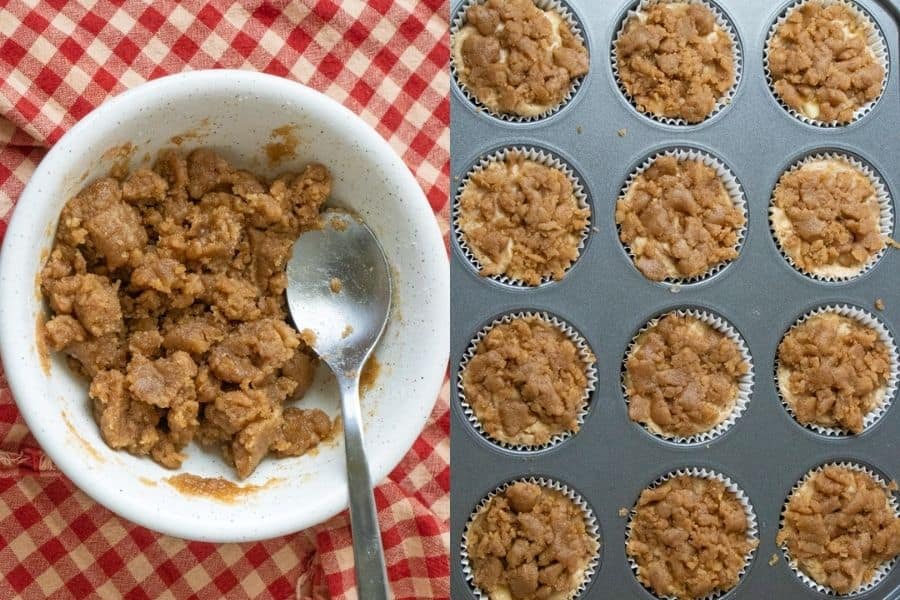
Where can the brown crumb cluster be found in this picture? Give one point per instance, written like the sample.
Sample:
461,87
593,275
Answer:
839,527
833,371
826,218
167,293
675,61
689,537
678,219
821,62
521,219
682,376
516,58
526,382
530,543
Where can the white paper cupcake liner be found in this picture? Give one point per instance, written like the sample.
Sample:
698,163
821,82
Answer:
568,15
584,351
876,42
869,320
752,526
538,155
724,23
592,528
732,187
882,572
882,196
745,384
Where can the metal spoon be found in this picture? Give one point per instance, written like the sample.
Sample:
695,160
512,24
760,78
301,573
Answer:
339,287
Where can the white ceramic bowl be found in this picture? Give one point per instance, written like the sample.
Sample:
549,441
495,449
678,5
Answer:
235,113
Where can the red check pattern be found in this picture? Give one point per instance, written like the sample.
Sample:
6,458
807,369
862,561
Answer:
384,59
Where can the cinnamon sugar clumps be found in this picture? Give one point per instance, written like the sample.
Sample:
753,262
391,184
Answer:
689,538
821,62
833,371
675,60
530,543
826,218
167,293
521,219
516,58
682,376
678,219
839,528
526,382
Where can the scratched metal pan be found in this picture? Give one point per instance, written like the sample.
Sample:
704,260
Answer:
606,300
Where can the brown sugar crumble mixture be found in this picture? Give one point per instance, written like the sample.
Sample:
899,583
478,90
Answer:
675,61
526,382
678,219
681,378
826,218
521,219
839,528
166,290
689,538
516,58
821,62
530,543
833,371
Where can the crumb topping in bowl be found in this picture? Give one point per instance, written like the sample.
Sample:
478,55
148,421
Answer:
840,528
678,220
822,64
833,371
522,219
827,218
682,375
675,61
526,382
529,543
689,537
516,58
167,293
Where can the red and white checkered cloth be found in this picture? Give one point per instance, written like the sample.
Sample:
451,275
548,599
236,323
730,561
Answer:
384,59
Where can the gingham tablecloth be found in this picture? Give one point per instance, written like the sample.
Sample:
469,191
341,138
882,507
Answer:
384,59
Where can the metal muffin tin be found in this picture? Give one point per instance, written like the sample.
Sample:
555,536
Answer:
608,301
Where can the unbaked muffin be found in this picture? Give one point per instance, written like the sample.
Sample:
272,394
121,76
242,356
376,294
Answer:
682,376
833,371
522,219
527,382
530,542
516,58
839,528
827,218
675,61
678,220
689,537
822,64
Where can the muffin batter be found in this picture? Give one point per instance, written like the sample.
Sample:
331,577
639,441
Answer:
167,292
675,61
516,58
678,219
526,382
833,371
839,528
521,219
821,63
529,543
682,376
689,537
826,218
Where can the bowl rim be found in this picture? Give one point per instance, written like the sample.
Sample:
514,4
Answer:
187,526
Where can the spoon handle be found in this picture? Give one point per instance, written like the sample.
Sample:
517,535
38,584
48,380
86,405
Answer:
371,576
